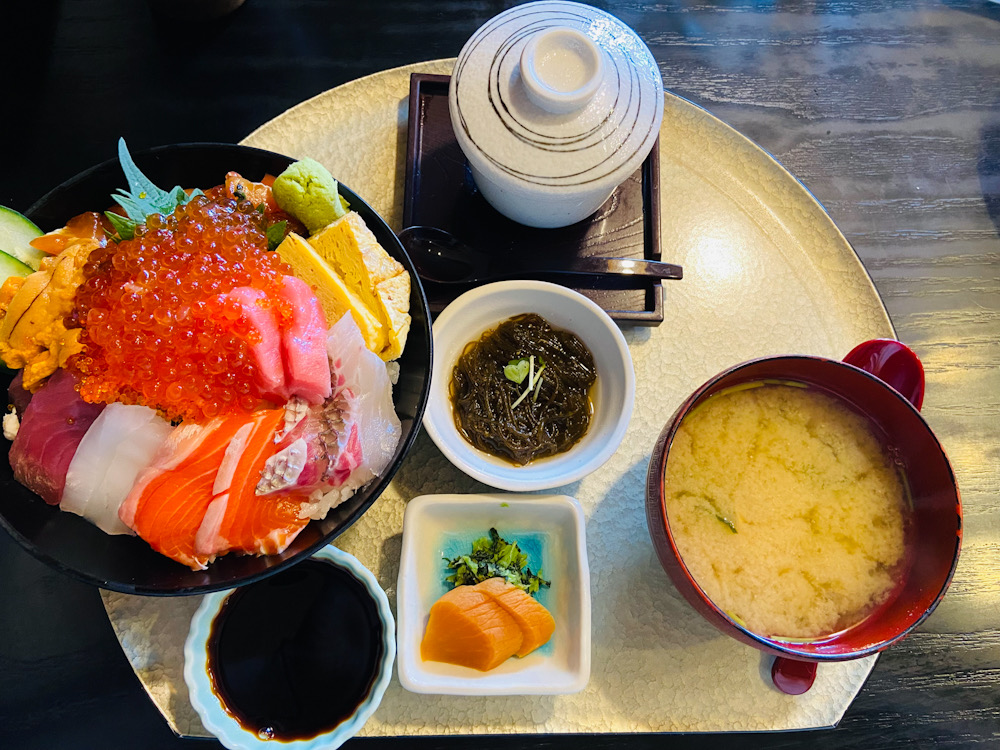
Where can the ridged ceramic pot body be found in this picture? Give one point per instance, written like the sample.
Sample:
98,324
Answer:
538,206
934,535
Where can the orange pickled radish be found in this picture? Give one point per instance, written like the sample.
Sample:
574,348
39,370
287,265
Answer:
534,620
468,628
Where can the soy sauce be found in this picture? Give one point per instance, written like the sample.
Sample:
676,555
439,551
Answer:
294,655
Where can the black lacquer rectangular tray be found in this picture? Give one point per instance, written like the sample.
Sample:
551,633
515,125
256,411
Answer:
440,192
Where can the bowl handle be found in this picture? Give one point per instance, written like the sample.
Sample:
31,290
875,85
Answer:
792,676
893,363
896,365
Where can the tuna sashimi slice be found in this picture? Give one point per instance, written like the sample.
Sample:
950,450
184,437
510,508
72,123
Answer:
119,444
169,501
240,521
52,426
303,343
267,353
19,398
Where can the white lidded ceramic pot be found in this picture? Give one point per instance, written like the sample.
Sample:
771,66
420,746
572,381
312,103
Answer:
554,105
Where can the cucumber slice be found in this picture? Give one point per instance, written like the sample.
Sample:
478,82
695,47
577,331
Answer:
10,266
15,233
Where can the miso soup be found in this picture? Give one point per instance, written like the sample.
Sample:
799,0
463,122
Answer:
786,509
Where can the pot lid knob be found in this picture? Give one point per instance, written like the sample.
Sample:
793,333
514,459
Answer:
561,69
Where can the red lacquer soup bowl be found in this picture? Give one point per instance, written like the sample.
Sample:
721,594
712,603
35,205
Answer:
883,381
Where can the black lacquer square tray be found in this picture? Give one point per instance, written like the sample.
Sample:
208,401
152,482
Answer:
439,191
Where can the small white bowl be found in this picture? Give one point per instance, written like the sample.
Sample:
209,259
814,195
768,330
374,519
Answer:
221,723
484,308
550,530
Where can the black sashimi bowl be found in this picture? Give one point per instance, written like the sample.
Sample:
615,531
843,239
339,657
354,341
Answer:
127,564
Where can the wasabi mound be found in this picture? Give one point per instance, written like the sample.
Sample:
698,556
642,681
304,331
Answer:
308,192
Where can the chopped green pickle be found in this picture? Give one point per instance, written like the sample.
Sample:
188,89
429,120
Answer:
494,557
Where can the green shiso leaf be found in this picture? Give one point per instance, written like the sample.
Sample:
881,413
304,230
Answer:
143,198
275,234
124,226
494,557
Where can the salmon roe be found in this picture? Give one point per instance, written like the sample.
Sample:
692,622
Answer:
157,330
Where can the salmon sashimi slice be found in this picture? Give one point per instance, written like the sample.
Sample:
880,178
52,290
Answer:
239,520
468,628
263,525
177,448
220,491
258,193
86,226
534,620
169,501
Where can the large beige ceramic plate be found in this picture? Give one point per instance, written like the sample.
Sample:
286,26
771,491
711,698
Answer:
765,272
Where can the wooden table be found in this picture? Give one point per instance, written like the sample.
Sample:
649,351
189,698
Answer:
889,112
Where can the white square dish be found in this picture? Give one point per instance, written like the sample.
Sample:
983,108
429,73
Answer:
550,530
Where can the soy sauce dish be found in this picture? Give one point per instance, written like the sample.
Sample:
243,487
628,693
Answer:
300,659
484,309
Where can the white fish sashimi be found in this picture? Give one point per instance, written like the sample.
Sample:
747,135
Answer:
121,443
368,428
364,374
134,453
87,468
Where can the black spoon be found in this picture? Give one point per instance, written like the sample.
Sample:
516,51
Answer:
441,257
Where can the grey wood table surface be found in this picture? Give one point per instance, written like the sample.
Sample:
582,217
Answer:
889,112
